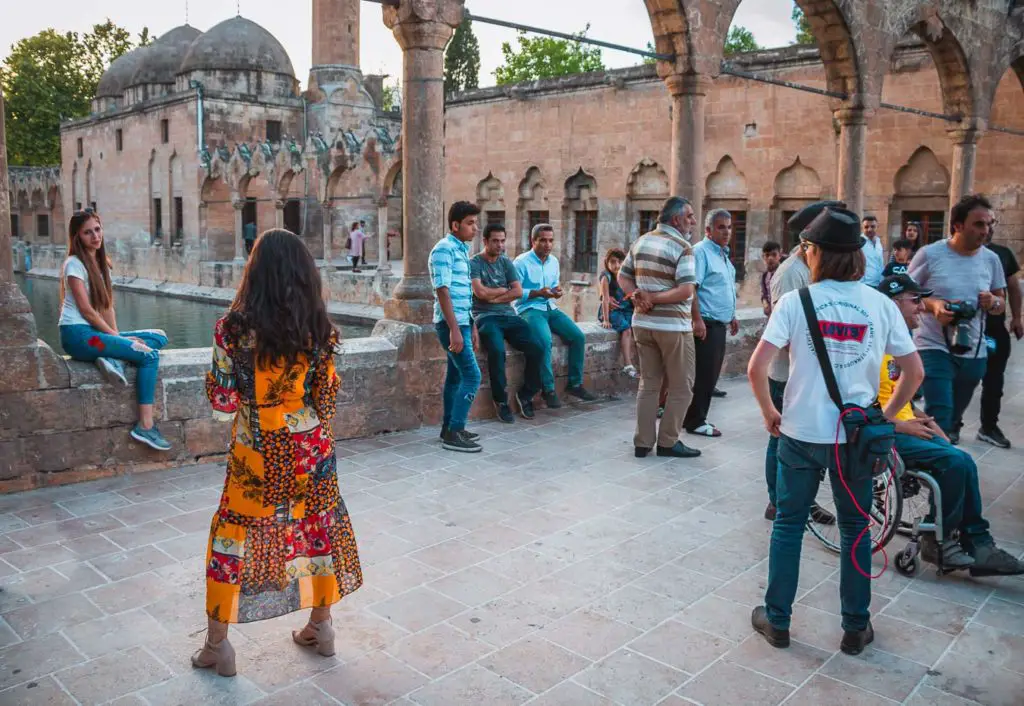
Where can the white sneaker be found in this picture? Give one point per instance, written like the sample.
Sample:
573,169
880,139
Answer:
112,370
630,370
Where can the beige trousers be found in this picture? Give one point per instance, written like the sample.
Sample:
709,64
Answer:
669,356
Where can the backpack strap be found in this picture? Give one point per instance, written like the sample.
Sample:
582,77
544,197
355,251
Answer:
814,328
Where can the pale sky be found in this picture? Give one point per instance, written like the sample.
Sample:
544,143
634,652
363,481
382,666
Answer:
620,21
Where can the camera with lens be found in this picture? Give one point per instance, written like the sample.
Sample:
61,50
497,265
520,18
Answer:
963,314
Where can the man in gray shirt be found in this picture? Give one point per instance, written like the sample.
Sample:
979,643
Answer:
495,285
963,274
791,275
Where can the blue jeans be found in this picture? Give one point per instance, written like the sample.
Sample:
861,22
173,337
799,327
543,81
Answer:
957,475
83,342
545,323
800,469
462,379
949,383
771,454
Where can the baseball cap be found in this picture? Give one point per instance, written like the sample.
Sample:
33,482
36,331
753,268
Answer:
894,285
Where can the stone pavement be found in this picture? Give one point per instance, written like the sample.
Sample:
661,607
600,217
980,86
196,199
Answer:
554,570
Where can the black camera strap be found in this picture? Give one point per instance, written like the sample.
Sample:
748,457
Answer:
819,348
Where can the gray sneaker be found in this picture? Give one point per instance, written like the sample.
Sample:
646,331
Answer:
112,371
992,561
150,437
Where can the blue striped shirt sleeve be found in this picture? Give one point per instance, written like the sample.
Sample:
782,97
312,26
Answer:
441,265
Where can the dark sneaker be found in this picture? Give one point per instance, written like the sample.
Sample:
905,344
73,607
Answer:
551,400
718,393
769,513
954,437
680,450
525,405
822,516
954,556
150,437
993,561
504,412
582,394
460,441
774,636
466,432
854,641
640,451
994,436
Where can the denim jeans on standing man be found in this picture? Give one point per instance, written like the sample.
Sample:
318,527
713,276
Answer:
800,474
462,379
771,454
949,383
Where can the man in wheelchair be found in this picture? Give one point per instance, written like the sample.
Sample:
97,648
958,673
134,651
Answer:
925,447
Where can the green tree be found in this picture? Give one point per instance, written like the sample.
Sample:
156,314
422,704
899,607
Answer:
545,57
49,78
803,27
650,59
462,60
740,40
391,98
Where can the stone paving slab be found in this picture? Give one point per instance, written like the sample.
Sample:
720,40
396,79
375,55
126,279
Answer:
555,569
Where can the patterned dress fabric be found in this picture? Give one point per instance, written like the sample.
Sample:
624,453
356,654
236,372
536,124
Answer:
281,539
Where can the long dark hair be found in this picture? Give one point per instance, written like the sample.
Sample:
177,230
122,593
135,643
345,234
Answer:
838,266
101,289
280,302
619,255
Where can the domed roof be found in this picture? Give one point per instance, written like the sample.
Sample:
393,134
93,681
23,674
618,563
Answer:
159,62
119,74
237,44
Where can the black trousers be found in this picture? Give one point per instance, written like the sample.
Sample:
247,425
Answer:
995,373
710,354
355,261
494,331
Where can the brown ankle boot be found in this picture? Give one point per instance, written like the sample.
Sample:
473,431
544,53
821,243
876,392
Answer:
221,656
323,639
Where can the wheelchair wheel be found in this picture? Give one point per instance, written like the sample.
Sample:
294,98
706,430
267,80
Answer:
906,561
917,504
886,510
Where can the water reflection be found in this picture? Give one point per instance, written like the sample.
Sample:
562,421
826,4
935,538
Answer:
188,324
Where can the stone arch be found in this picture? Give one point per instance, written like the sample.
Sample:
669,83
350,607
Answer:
90,186
157,201
843,57
58,228
647,187
920,194
216,220
258,197
490,198
391,201
175,199
726,187
77,192
532,208
795,187
580,221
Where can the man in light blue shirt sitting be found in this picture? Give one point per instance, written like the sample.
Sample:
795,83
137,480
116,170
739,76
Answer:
714,309
874,258
540,276
450,279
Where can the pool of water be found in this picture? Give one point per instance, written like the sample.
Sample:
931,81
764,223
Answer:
188,324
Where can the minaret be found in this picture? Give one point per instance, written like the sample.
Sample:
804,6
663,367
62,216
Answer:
335,41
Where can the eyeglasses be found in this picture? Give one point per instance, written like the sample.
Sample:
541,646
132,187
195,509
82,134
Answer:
805,245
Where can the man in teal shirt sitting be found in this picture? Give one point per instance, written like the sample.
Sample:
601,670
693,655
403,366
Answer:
539,274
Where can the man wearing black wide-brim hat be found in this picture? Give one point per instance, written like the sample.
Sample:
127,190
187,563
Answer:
858,326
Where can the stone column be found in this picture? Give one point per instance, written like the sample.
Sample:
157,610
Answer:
965,154
279,213
422,29
238,205
689,93
383,262
853,131
327,225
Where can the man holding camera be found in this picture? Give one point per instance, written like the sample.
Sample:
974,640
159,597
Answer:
967,279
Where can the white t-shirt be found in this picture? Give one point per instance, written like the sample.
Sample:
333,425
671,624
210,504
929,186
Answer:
69,313
860,325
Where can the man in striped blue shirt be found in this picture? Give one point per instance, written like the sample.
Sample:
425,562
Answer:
453,302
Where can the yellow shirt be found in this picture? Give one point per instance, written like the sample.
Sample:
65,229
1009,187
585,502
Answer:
890,374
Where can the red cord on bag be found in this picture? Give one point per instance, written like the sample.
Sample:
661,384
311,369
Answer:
867,516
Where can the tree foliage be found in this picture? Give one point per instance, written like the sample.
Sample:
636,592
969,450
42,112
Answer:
52,77
546,57
740,40
391,98
803,27
462,60
650,59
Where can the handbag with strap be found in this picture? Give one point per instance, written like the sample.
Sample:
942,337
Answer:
870,437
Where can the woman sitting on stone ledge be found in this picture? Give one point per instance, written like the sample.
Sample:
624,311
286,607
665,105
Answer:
281,540
88,324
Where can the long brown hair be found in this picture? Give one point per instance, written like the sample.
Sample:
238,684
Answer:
101,289
838,266
280,302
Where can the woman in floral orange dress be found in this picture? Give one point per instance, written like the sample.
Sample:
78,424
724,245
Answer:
281,539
